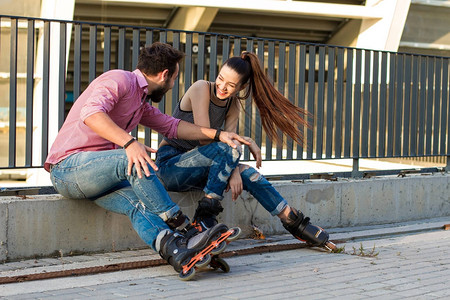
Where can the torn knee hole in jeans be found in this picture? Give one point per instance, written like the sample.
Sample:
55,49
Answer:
255,177
242,168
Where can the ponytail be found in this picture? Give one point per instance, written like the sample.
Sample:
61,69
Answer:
276,111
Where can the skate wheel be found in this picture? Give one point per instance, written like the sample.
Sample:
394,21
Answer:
188,275
220,263
204,262
330,246
236,233
219,249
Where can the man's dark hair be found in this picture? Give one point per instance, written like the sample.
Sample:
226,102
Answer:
158,57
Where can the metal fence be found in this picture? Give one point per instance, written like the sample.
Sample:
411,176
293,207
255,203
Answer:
362,103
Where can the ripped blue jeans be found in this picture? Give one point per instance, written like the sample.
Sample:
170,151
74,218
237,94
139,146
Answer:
101,176
196,169
207,167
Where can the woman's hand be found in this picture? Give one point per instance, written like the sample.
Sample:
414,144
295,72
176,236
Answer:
235,184
255,150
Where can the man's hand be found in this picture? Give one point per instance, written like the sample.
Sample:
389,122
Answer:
137,154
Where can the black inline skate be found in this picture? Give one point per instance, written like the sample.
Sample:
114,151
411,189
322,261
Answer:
300,227
187,248
206,217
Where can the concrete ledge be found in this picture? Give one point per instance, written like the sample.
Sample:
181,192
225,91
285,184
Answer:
43,225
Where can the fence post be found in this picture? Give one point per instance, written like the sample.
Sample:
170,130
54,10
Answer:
356,173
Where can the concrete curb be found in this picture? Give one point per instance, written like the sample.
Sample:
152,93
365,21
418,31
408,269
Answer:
43,225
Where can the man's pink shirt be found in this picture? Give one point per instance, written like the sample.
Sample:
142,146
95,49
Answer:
119,94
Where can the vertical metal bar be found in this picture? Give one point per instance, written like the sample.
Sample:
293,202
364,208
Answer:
429,120
258,129
77,62
339,103
106,48
188,62
62,73
291,93
121,49
414,102
311,100
237,47
330,102
320,103
45,90
13,93
391,106
383,107
92,52
136,48
357,105
407,107
437,105
445,106
248,110
348,103
398,107
163,36
270,73
448,115
213,58
176,86
162,104
147,130
422,106
301,91
355,168
201,57
374,105
366,104
148,38
281,83
29,93
225,48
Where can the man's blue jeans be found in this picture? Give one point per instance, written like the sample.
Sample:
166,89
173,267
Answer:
102,176
208,168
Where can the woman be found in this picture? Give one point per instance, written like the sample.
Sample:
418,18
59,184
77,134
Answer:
187,164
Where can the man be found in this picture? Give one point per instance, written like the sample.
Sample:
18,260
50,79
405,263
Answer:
94,156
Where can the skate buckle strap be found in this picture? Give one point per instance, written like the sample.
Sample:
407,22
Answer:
205,251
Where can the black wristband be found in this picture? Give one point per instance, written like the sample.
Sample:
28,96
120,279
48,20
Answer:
216,137
129,143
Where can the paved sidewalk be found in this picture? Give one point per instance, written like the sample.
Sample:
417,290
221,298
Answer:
410,260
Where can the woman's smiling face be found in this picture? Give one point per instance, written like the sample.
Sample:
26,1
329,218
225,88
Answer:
227,83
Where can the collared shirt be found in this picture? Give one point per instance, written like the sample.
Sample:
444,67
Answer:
119,94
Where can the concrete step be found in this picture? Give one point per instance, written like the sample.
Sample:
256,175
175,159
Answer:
44,225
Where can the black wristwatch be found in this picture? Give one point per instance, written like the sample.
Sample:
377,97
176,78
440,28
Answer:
216,137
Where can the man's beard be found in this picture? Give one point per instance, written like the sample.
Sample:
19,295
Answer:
158,94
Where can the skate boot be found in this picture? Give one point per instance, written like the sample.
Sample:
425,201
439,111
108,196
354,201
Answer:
300,227
206,216
206,213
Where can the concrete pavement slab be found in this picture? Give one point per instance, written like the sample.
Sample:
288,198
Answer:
409,263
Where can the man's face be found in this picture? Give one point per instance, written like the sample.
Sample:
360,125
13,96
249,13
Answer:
158,94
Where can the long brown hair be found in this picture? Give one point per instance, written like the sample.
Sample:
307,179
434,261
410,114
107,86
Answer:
276,111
